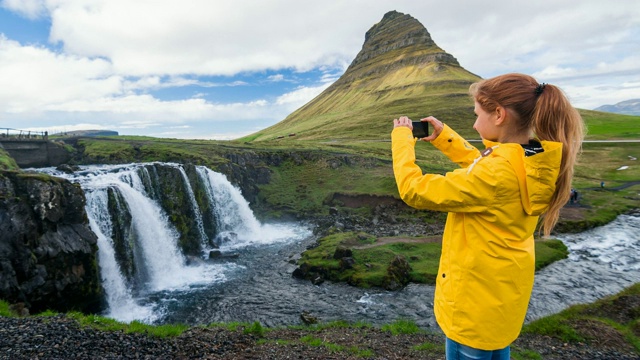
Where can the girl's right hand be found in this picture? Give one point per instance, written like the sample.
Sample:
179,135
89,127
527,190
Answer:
437,126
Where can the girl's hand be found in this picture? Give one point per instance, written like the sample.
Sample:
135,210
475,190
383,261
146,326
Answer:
435,124
402,121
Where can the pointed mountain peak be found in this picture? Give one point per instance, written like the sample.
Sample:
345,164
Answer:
397,31
399,71
397,40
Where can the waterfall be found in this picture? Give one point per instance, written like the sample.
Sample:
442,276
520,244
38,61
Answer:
141,251
121,303
237,225
199,222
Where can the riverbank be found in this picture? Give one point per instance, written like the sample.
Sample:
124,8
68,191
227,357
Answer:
606,329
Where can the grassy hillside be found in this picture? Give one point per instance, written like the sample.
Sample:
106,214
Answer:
364,110
610,126
399,71
303,187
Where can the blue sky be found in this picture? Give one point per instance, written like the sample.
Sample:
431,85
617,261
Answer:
212,69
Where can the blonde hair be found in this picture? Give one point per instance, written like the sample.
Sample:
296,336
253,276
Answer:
545,111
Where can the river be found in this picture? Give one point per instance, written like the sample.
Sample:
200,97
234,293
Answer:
254,283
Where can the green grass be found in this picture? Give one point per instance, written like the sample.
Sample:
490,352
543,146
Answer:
255,329
5,310
601,313
549,251
519,354
429,347
7,163
402,326
371,263
604,125
304,188
107,324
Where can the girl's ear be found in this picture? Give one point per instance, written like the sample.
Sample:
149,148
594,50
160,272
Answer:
500,115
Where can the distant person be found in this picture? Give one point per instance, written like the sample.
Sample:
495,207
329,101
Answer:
532,136
602,184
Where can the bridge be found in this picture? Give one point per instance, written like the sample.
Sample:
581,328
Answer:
32,148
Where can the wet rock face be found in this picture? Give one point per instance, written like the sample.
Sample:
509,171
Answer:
48,253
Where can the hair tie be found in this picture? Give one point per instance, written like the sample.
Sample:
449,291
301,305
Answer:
540,89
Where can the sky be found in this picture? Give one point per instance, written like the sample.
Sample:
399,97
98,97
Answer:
218,69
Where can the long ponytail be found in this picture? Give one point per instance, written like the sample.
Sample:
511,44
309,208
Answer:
554,119
545,111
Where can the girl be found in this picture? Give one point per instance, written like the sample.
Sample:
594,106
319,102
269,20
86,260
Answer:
532,136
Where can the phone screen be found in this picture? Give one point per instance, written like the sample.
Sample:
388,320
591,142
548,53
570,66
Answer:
420,129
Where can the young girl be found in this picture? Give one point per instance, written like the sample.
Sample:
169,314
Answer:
532,135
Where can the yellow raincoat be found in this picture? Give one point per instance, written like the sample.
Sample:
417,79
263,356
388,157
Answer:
487,264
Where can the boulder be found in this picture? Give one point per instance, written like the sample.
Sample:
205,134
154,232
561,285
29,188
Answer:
398,274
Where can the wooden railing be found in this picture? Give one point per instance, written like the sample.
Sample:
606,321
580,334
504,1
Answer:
21,135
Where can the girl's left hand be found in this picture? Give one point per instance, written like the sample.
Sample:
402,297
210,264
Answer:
402,121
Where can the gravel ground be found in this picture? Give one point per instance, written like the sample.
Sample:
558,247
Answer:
59,337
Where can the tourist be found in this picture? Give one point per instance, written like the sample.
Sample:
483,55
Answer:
532,136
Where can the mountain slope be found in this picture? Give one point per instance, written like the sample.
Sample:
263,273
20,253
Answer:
628,107
399,71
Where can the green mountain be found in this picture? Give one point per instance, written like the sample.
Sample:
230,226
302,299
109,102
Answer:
399,71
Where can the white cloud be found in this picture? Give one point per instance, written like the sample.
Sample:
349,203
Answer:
29,8
276,77
300,96
115,52
206,37
33,77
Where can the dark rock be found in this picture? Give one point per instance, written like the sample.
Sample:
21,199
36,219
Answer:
347,263
398,273
48,253
66,168
342,252
307,318
20,309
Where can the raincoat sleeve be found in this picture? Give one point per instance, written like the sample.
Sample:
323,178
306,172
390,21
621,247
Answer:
457,191
455,147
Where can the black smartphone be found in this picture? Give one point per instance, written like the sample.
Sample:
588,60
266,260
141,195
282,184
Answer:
420,129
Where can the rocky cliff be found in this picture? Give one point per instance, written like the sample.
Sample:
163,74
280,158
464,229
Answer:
48,254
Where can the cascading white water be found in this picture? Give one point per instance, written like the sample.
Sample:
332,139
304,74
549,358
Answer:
199,222
122,306
234,216
159,260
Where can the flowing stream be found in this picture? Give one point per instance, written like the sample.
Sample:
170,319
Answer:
147,276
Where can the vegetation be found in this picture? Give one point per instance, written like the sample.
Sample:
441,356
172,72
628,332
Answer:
7,163
107,324
372,257
614,320
402,326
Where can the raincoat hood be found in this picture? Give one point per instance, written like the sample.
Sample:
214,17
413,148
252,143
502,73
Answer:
536,174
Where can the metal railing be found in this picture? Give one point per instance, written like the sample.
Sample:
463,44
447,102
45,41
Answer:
18,135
